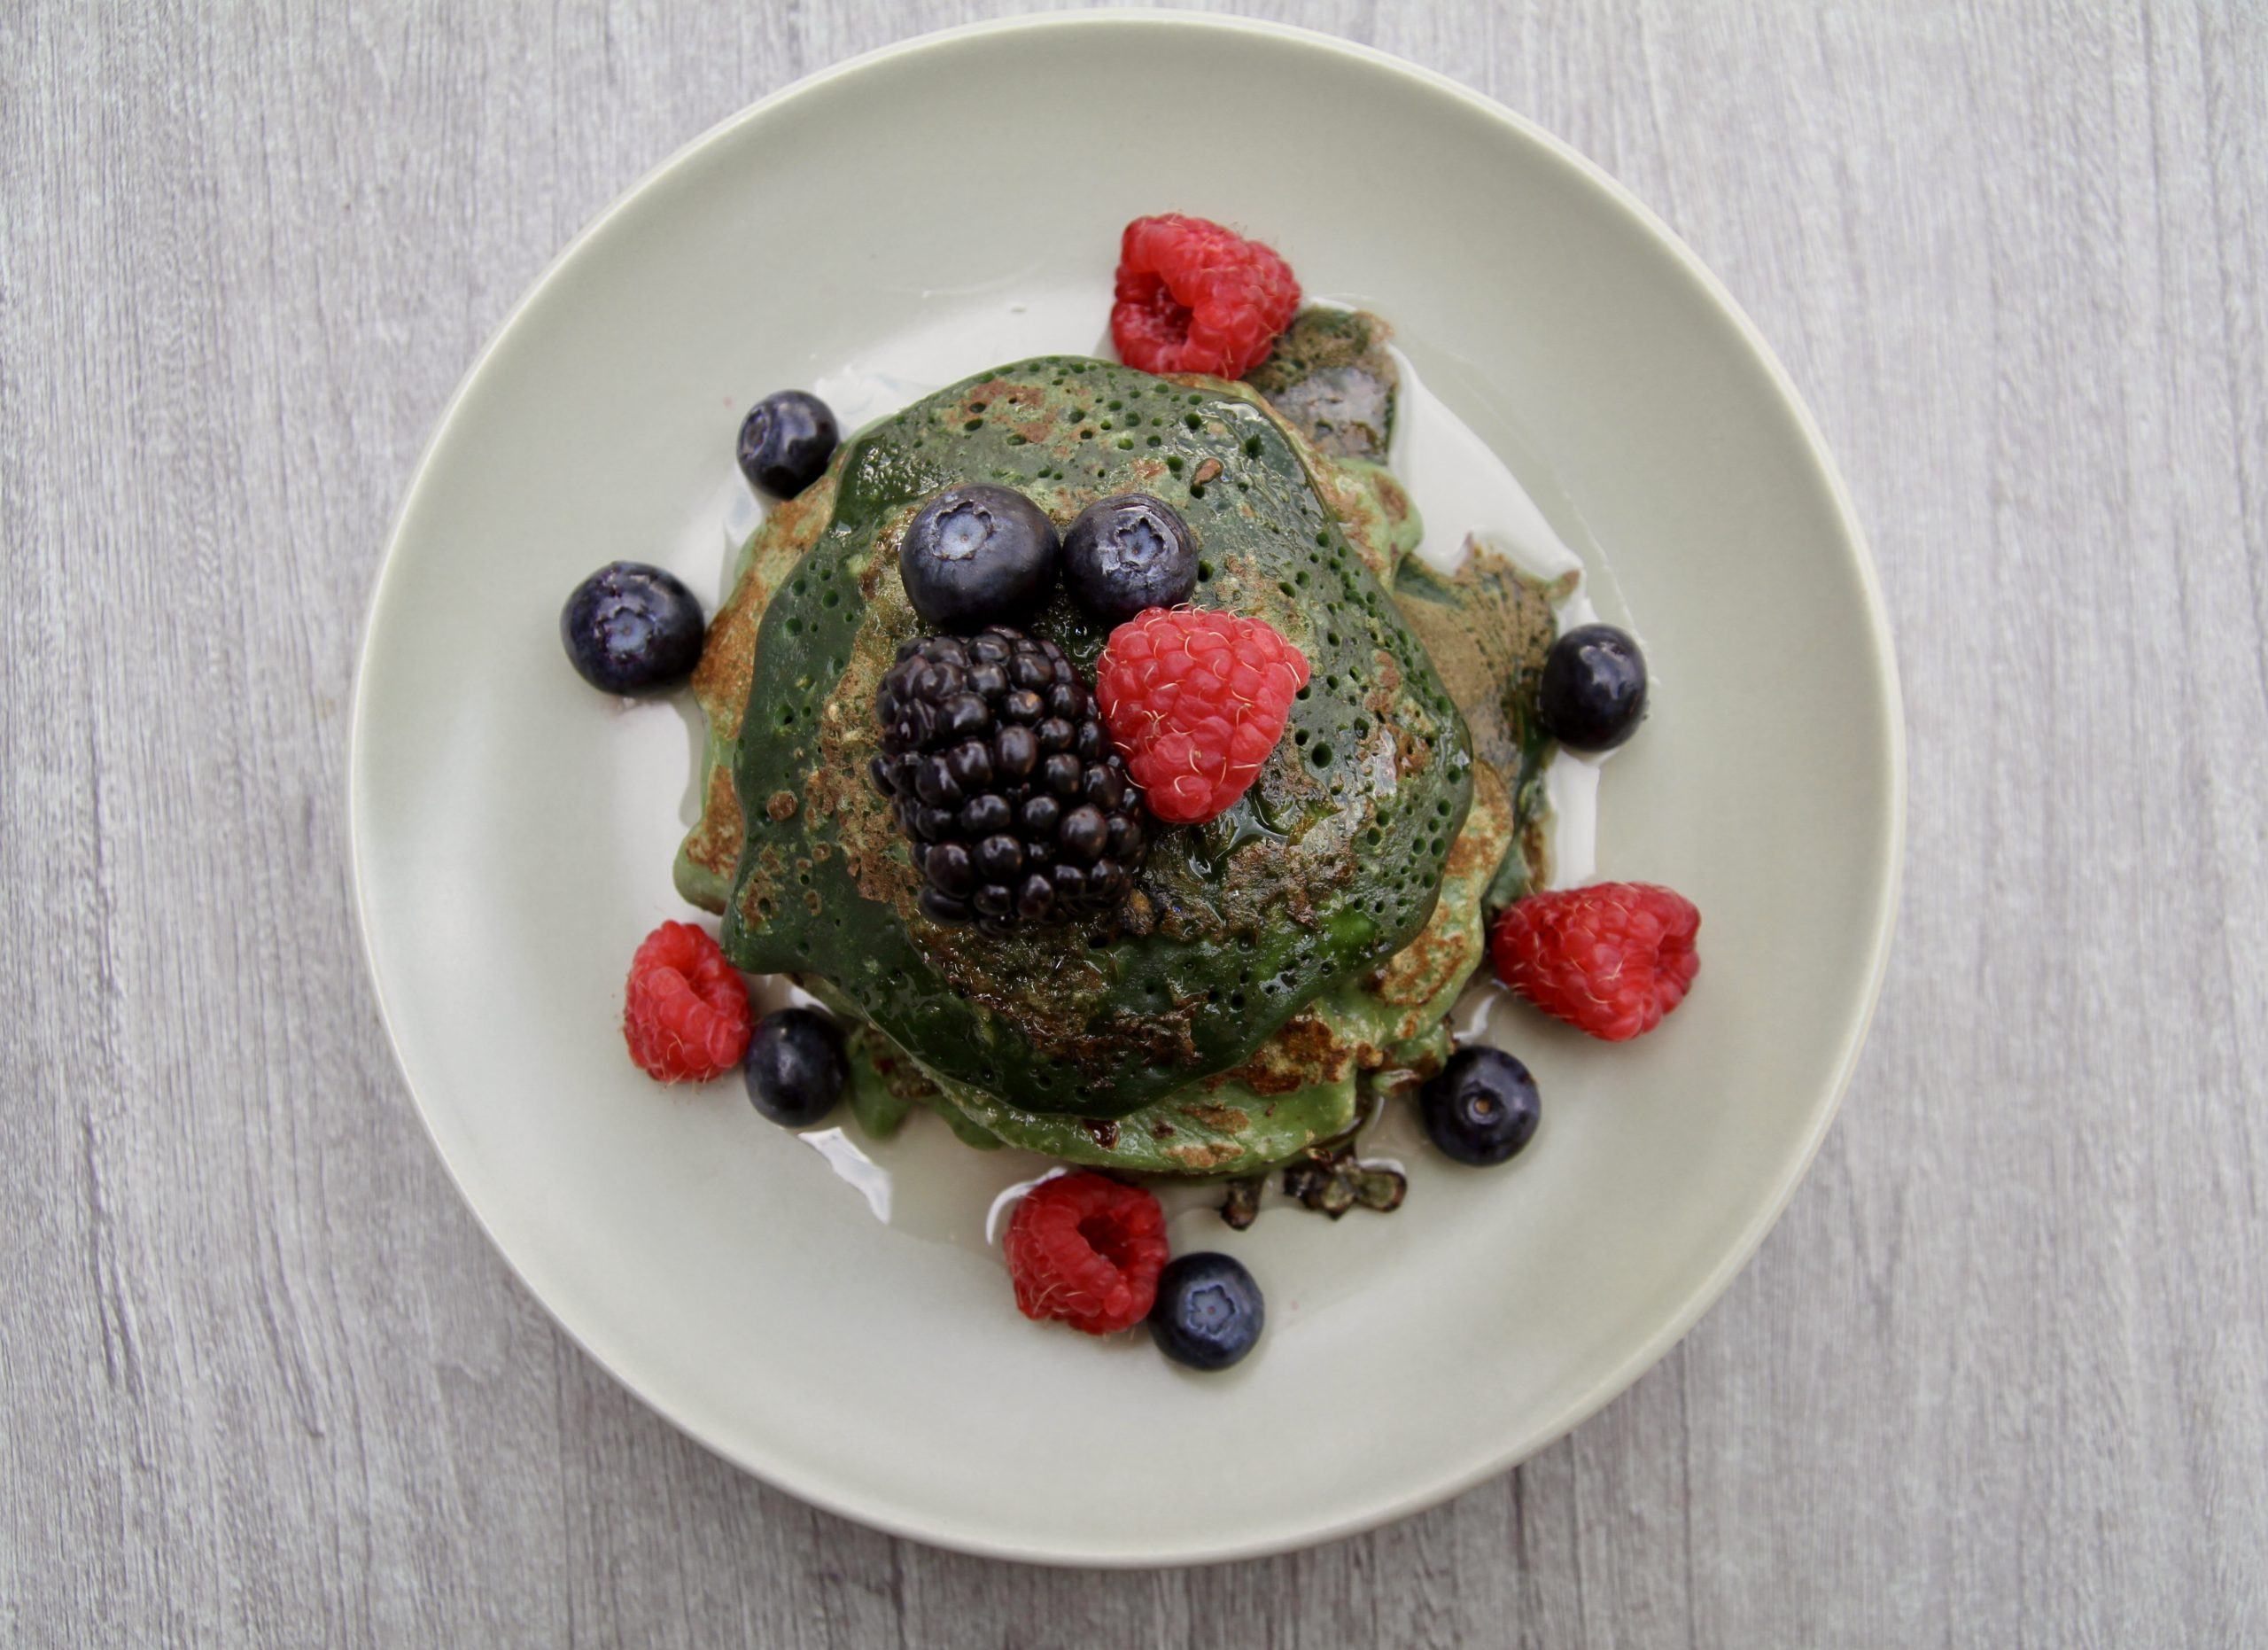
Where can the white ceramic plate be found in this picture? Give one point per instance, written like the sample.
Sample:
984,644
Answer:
513,830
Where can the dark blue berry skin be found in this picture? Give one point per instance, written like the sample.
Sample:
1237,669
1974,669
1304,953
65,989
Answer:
1208,1313
976,555
795,1067
1127,554
1594,689
784,442
630,628
1481,1108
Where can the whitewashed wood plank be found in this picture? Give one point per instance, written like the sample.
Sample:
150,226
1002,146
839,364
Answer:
1995,1379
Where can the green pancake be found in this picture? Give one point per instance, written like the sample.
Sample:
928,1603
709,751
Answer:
1329,866
1274,966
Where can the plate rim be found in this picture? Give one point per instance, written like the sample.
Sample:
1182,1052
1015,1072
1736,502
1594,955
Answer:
1888,880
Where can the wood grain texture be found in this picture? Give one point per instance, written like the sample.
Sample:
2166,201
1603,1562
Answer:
1996,1380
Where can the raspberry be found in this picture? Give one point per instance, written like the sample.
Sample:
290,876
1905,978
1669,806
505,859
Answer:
1194,297
1611,958
1088,1250
684,1011
1195,701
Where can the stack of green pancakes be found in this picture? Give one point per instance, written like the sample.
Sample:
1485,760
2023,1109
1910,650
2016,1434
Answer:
1275,971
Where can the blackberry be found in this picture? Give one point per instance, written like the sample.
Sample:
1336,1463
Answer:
1003,779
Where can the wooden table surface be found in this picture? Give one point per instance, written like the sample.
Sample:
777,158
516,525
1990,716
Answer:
2001,1376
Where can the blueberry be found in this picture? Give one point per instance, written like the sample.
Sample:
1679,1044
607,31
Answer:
784,442
1594,689
1129,553
795,1067
1208,1313
974,554
1481,1108
629,628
